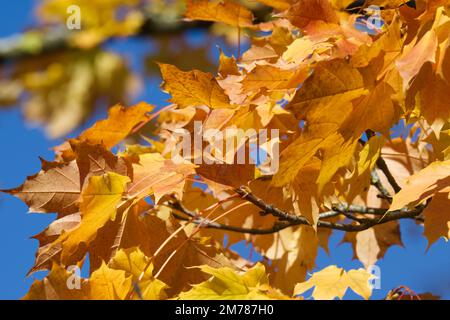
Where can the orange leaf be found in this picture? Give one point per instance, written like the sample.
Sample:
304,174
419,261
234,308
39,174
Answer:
193,88
225,11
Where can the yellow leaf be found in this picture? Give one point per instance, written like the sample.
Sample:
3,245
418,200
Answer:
158,176
371,244
111,131
304,190
292,253
133,261
55,286
227,65
109,284
375,111
404,157
225,11
273,78
299,50
423,185
277,4
297,154
119,124
333,282
437,218
193,88
294,157
416,55
98,206
227,284
303,12
433,102
360,178
335,156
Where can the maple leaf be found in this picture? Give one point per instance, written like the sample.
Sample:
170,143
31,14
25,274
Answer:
277,4
227,11
361,177
104,284
193,88
432,99
305,195
371,245
294,254
109,284
227,65
333,85
112,130
133,262
302,150
56,188
119,124
333,282
171,259
423,185
226,283
431,182
437,218
303,12
416,56
424,48
158,176
96,160
99,201
54,287
405,157
273,78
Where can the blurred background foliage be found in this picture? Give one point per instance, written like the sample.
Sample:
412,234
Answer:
59,77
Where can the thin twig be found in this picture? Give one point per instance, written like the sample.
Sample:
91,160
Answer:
381,164
376,181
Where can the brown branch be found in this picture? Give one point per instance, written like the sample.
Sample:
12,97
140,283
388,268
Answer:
286,219
363,224
376,181
269,209
381,164
208,224
359,209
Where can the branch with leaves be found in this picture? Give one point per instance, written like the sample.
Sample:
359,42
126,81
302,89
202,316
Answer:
286,219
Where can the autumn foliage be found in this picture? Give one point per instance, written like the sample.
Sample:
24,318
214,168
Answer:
333,85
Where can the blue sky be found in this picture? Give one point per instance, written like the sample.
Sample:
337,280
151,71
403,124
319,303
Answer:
22,143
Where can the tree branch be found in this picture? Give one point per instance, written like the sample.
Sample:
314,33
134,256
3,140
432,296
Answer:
269,209
286,219
375,181
381,164
206,223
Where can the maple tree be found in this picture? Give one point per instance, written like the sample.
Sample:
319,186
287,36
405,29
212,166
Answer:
331,83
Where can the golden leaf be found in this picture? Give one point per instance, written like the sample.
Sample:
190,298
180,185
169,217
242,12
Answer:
193,88
333,282
226,11
227,284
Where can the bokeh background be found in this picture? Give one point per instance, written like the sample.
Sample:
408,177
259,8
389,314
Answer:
25,135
